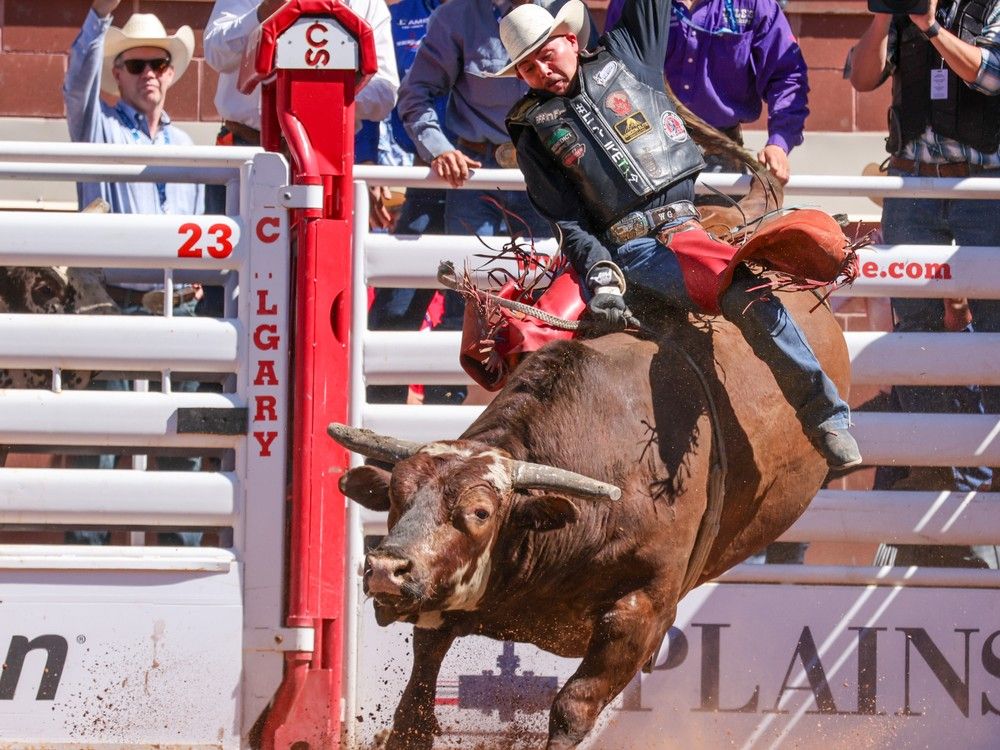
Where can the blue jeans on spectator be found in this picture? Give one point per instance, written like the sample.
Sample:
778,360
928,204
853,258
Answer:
939,221
470,211
163,463
766,325
404,309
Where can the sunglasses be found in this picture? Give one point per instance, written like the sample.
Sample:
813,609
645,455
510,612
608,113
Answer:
137,67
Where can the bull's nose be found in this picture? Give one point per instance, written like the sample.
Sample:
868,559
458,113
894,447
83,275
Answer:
386,575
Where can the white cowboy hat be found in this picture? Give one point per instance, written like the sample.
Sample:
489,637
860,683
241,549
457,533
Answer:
145,30
528,27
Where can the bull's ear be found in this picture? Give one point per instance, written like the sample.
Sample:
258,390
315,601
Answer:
367,486
544,512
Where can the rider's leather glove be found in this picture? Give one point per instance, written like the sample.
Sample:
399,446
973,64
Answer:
607,310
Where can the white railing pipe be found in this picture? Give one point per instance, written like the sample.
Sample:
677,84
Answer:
117,498
877,358
85,559
871,516
229,157
121,240
412,262
849,575
125,343
813,185
130,419
885,439
113,173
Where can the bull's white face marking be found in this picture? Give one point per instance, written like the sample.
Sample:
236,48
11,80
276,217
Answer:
440,449
498,472
467,596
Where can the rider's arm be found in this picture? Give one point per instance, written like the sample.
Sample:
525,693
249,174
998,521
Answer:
640,38
557,201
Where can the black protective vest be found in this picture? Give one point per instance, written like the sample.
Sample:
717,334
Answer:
618,140
966,116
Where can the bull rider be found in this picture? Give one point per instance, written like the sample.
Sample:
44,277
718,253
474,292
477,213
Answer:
608,160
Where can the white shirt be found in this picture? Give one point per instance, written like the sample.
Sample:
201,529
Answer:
229,29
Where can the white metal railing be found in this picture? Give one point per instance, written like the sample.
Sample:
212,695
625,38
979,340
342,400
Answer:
381,358
238,588
877,357
827,185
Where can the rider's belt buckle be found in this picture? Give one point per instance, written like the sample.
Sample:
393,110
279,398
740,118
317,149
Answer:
633,226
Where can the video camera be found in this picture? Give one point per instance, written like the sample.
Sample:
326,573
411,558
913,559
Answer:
899,7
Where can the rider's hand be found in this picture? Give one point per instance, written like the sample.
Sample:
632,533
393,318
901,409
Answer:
454,166
607,310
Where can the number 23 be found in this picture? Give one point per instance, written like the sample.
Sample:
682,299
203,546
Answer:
222,233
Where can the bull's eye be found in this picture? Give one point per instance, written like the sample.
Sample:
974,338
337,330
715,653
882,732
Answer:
481,513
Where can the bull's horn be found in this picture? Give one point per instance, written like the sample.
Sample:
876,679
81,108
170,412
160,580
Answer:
371,444
527,475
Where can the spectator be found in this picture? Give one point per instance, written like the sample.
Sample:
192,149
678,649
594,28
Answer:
138,63
461,48
226,37
944,122
724,59
621,195
422,211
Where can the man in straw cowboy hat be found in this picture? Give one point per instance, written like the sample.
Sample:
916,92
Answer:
606,157
137,63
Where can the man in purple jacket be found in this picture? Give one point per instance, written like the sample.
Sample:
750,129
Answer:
725,58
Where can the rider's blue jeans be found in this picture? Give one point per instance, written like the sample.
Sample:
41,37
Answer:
764,323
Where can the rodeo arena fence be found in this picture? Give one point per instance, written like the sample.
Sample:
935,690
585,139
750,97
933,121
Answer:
263,640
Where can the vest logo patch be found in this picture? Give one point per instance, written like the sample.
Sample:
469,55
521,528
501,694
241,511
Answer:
673,126
608,144
619,103
602,76
552,115
632,127
560,140
575,154
647,159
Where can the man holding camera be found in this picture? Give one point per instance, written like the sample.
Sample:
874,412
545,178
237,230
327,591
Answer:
944,121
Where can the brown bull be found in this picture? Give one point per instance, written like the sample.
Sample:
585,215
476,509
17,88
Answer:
474,549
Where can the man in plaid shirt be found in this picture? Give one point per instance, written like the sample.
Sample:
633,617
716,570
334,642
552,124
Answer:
944,122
